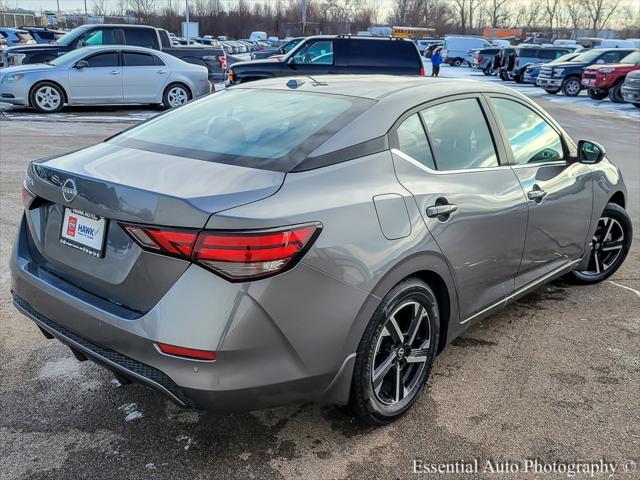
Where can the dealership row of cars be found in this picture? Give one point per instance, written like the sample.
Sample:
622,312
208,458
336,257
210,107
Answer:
602,72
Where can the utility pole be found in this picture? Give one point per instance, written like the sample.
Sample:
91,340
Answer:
86,14
186,14
303,15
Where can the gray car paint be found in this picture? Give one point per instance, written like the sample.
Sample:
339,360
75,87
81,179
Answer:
278,339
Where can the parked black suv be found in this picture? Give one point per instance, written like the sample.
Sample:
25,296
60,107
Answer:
113,34
336,54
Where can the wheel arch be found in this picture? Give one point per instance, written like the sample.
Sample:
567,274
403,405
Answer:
177,82
618,198
431,268
58,84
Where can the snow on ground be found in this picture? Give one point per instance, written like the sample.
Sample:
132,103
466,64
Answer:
622,109
134,114
131,411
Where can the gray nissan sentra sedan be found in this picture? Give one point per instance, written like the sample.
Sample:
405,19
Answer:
310,239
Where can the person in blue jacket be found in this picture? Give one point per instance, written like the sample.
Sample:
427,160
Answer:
436,60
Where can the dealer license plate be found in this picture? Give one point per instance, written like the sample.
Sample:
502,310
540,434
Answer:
83,231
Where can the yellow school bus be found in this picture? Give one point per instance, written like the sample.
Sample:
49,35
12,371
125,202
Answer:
412,32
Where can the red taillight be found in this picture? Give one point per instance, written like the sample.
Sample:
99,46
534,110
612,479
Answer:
27,196
223,61
238,256
422,72
170,242
480,58
187,352
234,255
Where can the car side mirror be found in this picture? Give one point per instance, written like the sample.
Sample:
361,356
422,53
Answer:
590,152
80,64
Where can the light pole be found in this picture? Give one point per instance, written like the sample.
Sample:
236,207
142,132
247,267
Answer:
186,14
303,15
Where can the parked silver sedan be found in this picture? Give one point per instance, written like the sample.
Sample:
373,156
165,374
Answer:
104,75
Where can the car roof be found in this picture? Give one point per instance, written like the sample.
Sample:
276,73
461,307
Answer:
393,95
377,87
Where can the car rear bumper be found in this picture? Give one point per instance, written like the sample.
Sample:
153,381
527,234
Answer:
273,338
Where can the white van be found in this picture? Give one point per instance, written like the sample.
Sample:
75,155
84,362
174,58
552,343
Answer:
455,48
611,43
256,36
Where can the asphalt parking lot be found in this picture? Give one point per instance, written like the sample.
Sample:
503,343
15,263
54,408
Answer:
553,377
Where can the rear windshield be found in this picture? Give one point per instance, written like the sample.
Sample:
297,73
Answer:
268,129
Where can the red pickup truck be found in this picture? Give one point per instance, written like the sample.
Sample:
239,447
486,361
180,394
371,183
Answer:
602,80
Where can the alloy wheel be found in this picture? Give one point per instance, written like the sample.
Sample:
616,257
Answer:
606,246
177,96
573,87
48,98
401,353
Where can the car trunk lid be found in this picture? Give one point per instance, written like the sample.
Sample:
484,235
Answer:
126,185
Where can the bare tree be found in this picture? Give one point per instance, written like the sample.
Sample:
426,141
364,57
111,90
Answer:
551,8
99,7
498,12
599,12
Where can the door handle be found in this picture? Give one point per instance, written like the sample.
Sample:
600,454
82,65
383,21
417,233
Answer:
114,72
443,210
161,72
536,194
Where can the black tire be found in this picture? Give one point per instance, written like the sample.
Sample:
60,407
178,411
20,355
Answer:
615,93
47,97
552,92
504,76
602,252
637,105
457,62
517,78
175,95
366,401
597,93
571,86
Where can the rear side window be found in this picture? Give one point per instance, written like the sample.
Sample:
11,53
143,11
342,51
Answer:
135,59
413,141
527,52
229,127
104,60
531,138
551,54
48,36
365,53
140,37
459,135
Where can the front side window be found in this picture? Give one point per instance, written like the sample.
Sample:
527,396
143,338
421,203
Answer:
459,135
413,141
320,52
103,60
100,37
531,138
